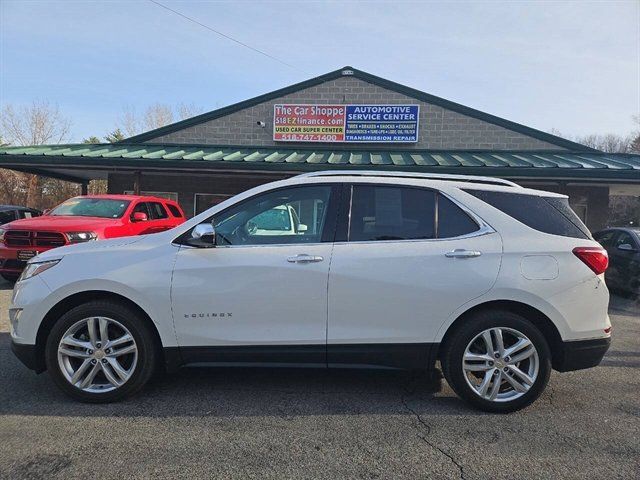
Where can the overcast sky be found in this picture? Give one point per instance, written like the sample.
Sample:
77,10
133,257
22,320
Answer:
573,66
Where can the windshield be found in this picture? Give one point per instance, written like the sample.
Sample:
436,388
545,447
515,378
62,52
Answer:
91,207
276,219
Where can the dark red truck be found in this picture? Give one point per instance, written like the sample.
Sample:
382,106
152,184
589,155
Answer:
82,219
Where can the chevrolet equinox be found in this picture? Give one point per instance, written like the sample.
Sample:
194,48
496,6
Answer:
498,283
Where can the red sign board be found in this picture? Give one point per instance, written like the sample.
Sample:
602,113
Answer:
309,123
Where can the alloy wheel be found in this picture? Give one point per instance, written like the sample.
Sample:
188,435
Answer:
97,354
500,364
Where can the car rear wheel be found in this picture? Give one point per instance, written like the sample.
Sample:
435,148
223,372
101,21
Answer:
10,277
100,352
497,361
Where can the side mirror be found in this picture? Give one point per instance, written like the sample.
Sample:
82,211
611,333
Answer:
625,247
302,228
139,217
203,236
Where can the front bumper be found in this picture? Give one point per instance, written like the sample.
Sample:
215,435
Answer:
9,261
580,354
29,356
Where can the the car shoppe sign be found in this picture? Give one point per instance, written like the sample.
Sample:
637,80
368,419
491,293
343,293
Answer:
345,123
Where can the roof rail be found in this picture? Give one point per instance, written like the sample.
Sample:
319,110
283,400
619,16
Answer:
430,176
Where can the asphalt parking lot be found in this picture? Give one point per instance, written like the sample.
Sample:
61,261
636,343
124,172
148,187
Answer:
263,423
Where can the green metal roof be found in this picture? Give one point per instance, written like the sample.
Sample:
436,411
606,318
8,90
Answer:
560,165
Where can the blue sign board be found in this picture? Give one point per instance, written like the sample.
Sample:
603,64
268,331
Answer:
381,123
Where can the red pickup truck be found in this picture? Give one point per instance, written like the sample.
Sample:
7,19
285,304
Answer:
82,219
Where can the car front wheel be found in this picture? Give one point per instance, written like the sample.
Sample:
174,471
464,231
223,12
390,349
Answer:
497,361
100,352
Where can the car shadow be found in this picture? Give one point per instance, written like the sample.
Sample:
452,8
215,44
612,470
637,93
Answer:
241,392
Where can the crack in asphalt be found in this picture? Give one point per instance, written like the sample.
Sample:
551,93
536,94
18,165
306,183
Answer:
427,428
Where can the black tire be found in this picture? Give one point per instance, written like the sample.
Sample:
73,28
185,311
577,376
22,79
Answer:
10,277
137,326
453,352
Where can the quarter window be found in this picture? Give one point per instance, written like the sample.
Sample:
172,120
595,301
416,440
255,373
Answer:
546,214
292,215
175,211
391,213
452,220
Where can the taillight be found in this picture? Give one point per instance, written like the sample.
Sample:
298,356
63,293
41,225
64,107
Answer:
596,258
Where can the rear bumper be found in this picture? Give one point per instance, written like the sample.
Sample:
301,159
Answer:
28,355
580,354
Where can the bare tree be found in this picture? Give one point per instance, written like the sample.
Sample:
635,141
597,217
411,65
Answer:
154,116
40,123
129,122
635,143
187,110
610,143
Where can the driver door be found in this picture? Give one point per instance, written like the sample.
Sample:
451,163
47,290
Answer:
259,295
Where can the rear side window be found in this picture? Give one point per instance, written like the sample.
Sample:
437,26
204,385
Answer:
545,214
391,213
175,211
157,211
452,220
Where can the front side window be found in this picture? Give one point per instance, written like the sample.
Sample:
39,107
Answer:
142,207
91,207
292,215
391,213
625,239
606,239
28,214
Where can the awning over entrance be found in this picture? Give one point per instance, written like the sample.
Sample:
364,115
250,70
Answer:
81,162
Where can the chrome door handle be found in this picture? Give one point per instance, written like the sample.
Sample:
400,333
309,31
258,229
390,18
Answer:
462,253
304,258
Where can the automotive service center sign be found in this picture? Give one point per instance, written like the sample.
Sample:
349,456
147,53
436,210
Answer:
345,123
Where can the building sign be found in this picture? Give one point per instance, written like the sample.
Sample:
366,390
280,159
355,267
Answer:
346,123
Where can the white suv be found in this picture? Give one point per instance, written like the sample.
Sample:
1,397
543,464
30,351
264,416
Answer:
392,270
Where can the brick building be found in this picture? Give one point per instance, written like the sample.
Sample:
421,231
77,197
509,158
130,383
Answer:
203,160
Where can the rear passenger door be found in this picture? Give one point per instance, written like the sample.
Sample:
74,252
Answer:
159,217
409,258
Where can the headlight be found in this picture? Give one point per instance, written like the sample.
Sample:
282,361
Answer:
79,237
36,268
2,235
